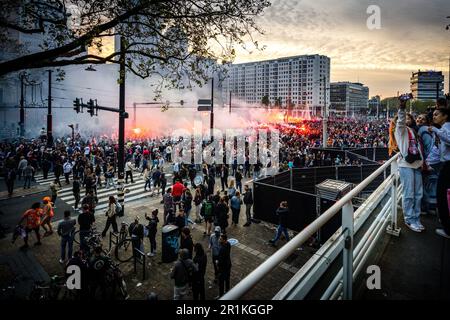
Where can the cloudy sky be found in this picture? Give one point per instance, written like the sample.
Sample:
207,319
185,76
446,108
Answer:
412,37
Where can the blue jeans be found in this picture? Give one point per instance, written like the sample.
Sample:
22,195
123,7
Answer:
281,229
66,241
411,180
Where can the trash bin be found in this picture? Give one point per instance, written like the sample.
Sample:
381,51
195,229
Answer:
170,243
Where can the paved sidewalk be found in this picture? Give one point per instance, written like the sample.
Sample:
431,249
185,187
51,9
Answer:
251,252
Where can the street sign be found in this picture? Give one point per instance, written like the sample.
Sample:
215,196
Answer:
204,105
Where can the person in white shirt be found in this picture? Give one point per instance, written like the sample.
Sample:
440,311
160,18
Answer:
410,165
67,169
129,171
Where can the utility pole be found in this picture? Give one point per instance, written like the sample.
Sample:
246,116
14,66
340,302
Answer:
120,153
134,114
212,109
49,112
387,110
230,101
437,91
22,107
324,114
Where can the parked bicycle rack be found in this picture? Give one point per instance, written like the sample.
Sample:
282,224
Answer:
111,241
139,257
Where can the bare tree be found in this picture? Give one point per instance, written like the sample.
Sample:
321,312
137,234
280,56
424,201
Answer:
175,39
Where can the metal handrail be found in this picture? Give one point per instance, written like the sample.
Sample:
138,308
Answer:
290,247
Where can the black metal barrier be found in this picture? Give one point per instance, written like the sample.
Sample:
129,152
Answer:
111,241
139,257
298,187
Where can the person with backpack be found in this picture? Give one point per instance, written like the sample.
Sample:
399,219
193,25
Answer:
207,212
33,221
152,229
198,282
182,273
113,210
410,167
66,229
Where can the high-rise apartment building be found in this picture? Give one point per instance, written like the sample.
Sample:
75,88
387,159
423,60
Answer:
302,80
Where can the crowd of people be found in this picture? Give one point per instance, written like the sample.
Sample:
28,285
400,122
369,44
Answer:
194,198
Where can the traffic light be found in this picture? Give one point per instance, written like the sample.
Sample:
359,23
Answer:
77,105
90,107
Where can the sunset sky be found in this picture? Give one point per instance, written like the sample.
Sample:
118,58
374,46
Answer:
412,37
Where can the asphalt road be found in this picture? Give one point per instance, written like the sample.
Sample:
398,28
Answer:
14,208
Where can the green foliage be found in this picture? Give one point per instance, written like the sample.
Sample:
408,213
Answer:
170,39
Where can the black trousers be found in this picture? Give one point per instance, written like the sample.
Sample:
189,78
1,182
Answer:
152,239
441,194
198,289
224,281
10,186
110,221
76,195
129,174
67,175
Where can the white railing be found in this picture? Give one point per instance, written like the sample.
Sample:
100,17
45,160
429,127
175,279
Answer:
342,241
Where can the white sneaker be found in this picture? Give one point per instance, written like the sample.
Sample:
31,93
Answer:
61,261
442,233
413,227
149,254
420,226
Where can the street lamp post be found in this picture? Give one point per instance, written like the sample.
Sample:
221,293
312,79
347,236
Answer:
73,134
49,112
120,153
22,107
325,115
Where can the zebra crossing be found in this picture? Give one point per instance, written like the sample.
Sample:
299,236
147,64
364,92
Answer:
134,191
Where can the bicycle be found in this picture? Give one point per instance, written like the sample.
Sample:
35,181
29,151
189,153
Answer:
124,247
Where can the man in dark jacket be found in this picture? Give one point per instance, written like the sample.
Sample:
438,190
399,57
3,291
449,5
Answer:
248,201
182,273
136,231
186,241
224,264
282,213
